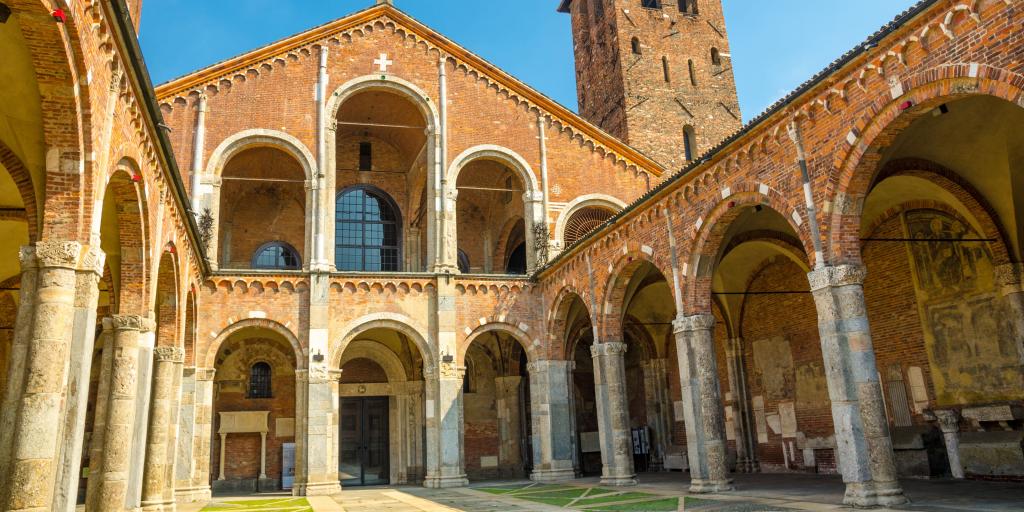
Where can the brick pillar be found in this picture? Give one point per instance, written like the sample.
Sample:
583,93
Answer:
192,465
746,437
613,413
38,428
23,324
659,409
551,414
167,361
702,404
864,448
1011,296
121,418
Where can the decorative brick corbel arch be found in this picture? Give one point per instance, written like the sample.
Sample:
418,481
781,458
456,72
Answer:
856,165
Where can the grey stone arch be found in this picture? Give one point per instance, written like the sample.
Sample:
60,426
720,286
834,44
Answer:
407,391
435,166
211,180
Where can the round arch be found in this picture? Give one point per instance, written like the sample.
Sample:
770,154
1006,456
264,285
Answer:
500,154
126,192
611,316
256,138
590,200
209,359
394,85
22,179
515,332
378,353
392,321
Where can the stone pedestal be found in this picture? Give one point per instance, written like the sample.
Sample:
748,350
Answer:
659,409
167,363
192,467
444,428
864,447
551,415
613,414
702,404
35,455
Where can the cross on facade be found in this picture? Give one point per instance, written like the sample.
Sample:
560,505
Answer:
383,62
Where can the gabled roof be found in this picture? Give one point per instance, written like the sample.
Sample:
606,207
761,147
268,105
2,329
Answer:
568,117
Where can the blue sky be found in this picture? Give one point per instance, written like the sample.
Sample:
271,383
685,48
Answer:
774,50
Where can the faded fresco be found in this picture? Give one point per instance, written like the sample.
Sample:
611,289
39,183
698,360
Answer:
773,365
969,345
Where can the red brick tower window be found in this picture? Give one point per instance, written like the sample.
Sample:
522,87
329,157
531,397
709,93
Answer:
688,6
636,46
665,70
689,143
651,4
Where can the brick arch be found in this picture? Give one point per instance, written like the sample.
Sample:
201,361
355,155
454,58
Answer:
975,204
129,197
516,163
167,310
709,241
503,249
612,308
261,138
606,201
514,332
856,166
23,180
378,353
393,321
557,336
209,359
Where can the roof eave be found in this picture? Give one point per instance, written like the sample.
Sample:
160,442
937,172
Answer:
564,6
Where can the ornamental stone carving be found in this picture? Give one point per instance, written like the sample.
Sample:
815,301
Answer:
948,420
205,374
169,354
451,371
132,323
27,256
92,261
840,275
58,254
545,365
608,349
693,323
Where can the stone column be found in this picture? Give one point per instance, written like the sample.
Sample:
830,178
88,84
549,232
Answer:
1011,296
551,415
87,292
949,423
702,404
746,447
210,198
613,413
99,428
659,409
196,431
865,455
533,202
445,449
506,390
174,430
35,452
448,240
23,324
119,425
154,483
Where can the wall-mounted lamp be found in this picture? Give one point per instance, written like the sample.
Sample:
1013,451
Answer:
448,358
318,357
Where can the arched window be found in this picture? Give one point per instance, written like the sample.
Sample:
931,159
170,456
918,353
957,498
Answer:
688,6
367,237
259,381
635,43
276,256
664,69
463,262
689,143
583,221
517,260
716,57
693,73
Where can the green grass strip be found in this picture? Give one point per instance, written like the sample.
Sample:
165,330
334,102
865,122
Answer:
662,505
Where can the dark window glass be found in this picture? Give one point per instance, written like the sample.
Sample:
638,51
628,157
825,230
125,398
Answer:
463,262
367,233
693,74
259,381
688,6
664,68
517,260
276,255
365,156
507,196
636,46
651,4
716,57
688,143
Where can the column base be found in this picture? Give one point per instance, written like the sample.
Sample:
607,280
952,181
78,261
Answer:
445,482
553,475
890,494
316,489
748,466
619,481
701,486
158,506
193,494
871,494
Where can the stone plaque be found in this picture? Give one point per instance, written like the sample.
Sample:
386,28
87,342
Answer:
244,422
489,462
284,427
787,414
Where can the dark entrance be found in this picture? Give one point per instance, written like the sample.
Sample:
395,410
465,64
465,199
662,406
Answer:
364,441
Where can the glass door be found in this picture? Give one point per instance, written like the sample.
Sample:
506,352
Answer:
364,441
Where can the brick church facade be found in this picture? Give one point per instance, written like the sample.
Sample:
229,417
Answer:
364,255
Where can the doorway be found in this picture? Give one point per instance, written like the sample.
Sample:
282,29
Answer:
364,441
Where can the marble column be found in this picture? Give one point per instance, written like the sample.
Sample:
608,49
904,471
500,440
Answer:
1011,297
448,241
154,483
23,324
551,415
506,390
99,427
659,409
864,448
746,437
445,448
196,431
316,471
121,418
949,423
174,430
702,404
613,413
35,452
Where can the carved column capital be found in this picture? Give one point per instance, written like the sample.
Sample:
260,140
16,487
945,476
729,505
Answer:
612,348
92,261
839,275
169,354
58,254
27,257
949,420
546,364
205,374
131,323
693,323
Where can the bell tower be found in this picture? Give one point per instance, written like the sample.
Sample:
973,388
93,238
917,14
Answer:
655,73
